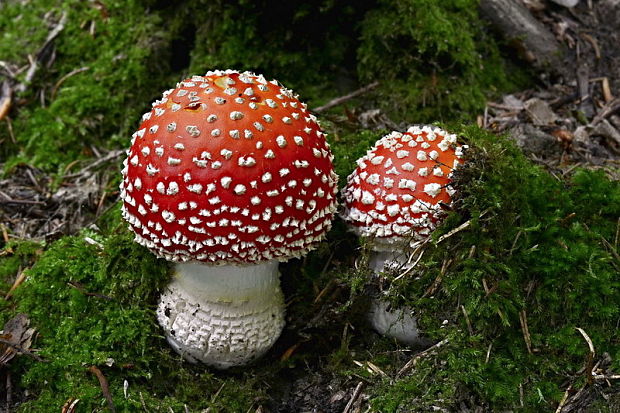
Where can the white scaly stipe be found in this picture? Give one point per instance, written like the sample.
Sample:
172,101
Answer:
223,316
399,323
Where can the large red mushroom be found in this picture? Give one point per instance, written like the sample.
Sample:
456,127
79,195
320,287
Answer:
395,198
227,175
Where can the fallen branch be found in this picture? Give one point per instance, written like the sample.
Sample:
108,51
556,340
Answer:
534,42
340,100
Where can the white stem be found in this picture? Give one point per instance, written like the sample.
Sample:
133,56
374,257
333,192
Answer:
223,316
399,323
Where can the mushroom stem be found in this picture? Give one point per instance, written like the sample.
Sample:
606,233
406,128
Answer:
224,315
398,323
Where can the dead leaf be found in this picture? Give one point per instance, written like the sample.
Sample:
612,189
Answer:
16,338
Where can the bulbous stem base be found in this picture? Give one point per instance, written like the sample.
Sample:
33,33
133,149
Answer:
222,316
398,323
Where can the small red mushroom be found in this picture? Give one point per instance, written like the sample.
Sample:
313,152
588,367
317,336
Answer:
227,175
396,197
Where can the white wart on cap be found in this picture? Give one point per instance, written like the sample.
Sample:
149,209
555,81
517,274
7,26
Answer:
229,168
396,196
398,188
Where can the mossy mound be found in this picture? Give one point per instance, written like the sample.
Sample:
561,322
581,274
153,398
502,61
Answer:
534,253
537,260
435,60
92,301
105,65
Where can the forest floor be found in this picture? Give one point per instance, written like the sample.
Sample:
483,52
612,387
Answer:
564,123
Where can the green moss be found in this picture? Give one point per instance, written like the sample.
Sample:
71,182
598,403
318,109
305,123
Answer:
15,257
348,145
94,305
434,60
436,63
116,42
544,249
302,44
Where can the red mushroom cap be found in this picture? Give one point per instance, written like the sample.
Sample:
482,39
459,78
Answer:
398,188
229,168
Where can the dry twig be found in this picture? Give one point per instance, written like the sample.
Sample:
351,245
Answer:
607,110
340,100
80,288
18,281
356,394
526,330
467,321
70,405
414,360
65,77
433,288
21,350
461,227
35,63
108,157
590,359
5,99
105,387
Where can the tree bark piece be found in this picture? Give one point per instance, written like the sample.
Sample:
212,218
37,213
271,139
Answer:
531,38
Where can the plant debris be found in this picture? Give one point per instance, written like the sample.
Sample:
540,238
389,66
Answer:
16,338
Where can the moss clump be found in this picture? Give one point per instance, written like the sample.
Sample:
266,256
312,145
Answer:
348,145
434,59
301,43
436,63
539,251
119,46
94,305
15,256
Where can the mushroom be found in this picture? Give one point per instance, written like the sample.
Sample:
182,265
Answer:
396,197
227,175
